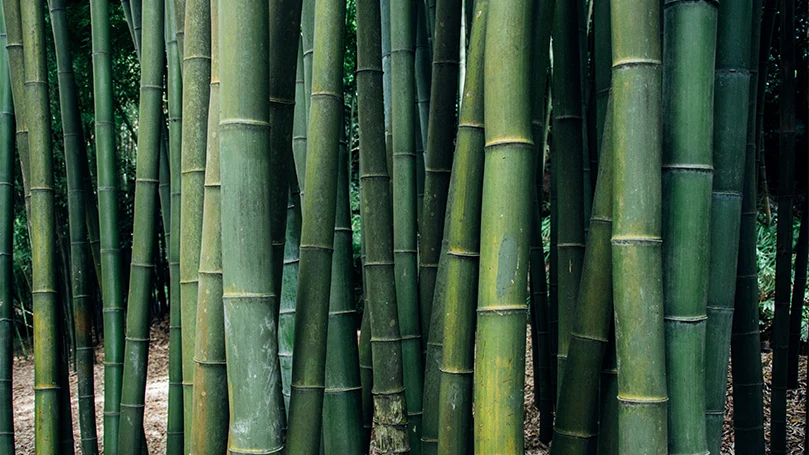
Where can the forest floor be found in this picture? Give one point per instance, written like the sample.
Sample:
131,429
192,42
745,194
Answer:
157,394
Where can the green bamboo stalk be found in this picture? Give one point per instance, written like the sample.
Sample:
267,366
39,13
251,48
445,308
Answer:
91,215
308,43
765,48
179,17
209,432
377,218
636,241
289,287
384,7
136,10
7,325
342,404
423,70
196,97
47,342
175,434
504,240
246,243
748,402
440,140
111,267
127,9
456,291
783,259
17,69
689,47
576,429
602,64
402,133
317,230
136,350
730,137
567,126
798,294
79,246
164,189
366,375
285,17
608,403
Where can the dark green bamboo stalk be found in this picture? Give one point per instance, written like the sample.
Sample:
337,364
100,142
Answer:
730,137
175,434
136,352
47,343
765,48
384,7
608,403
111,267
602,64
317,230
307,41
567,126
80,255
251,309
402,132
440,140
576,429
423,70
798,294
377,219
179,17
17,69
196,97
636,241
209,432
136,10
300,121
689,46
342,404
748,402
284,21
366,375
456,291
164,188
127,9
504,239
783,258
6,248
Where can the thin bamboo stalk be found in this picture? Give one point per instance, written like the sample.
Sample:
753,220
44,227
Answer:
767,30
783,258
504,239
136,10
47,343
636,241
423,71
377,219
130,438
79,246
308,43
798,294
179,17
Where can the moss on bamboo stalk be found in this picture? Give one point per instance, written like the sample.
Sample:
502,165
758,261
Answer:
636,241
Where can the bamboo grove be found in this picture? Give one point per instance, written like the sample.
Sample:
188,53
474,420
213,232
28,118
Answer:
363,220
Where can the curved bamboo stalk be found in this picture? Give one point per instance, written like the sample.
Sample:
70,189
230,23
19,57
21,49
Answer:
6,248
440,141
456,291
783,259
689,46
111,267
377,218
317,230
748,382
79,247
504,240
175,433
196,97
636,241
136,350
342,410
401,128
209,431
730,137
47,343
576,429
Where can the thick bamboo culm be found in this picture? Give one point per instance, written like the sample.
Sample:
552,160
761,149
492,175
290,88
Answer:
732,91
80,254
130,438
689,48
636,229
390,415
504,241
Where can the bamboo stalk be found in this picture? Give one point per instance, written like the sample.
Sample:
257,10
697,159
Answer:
636,242
798,294
730,136
175,433
47,384
7,324
504,241
136,349
388,387
179,18
783,259
440,140
79,246
307,42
